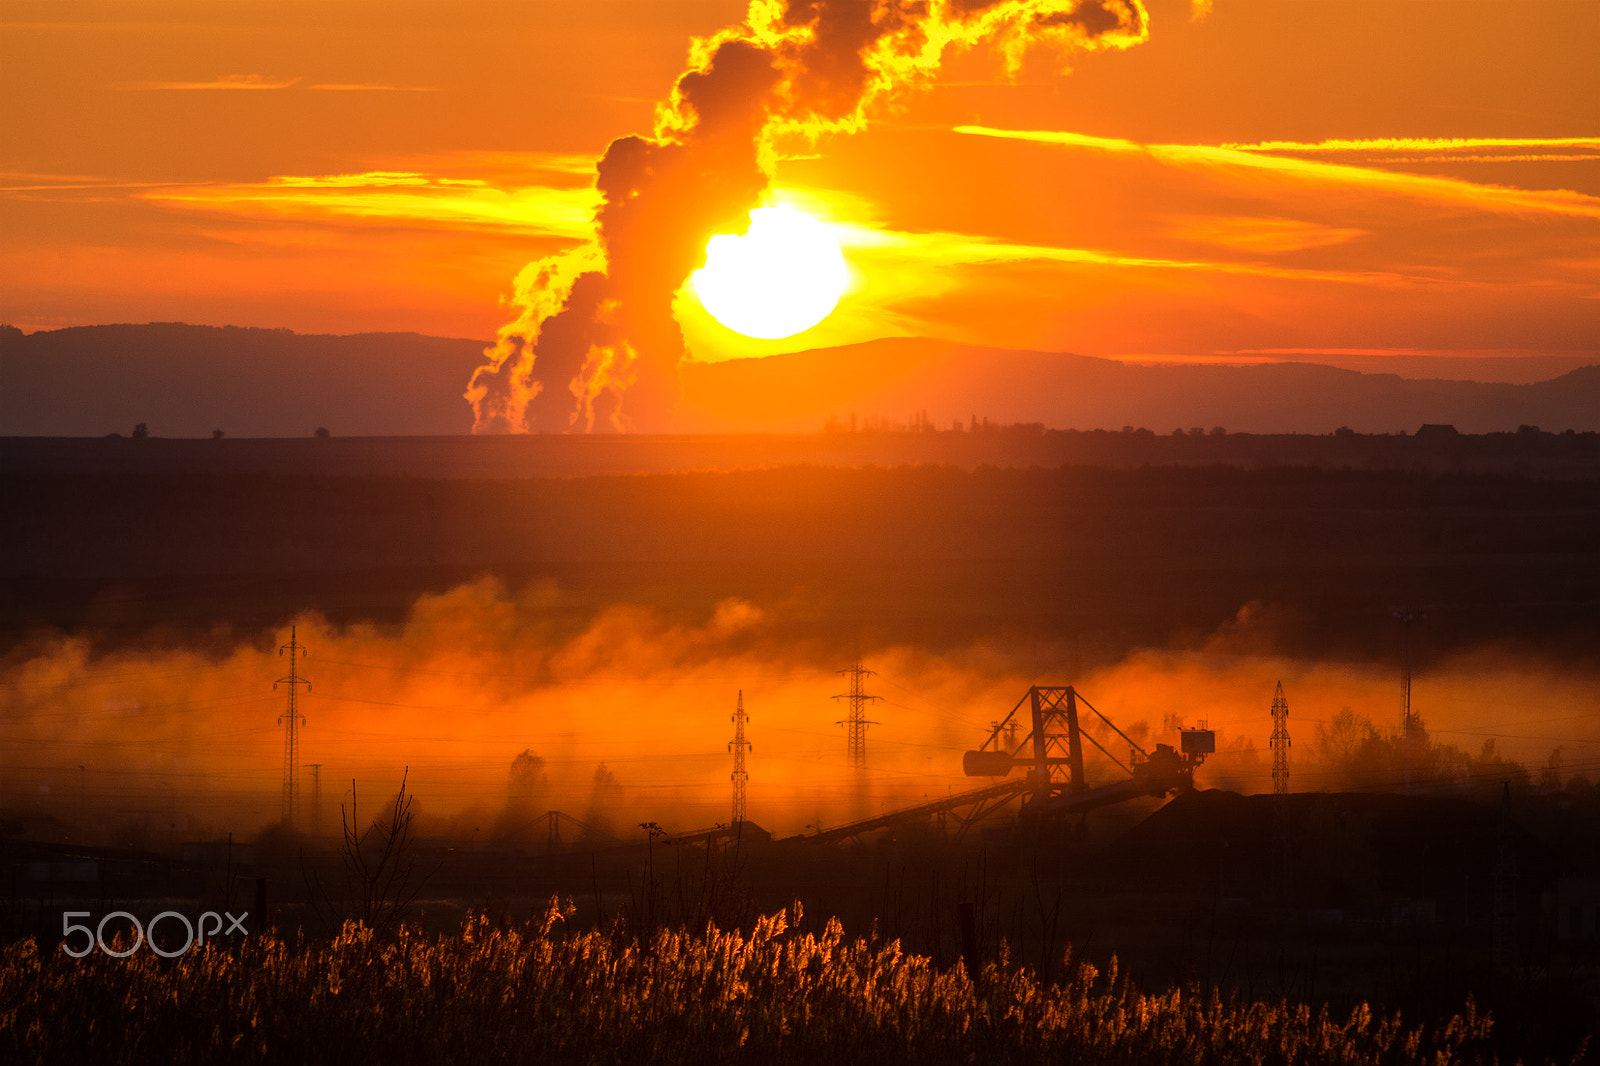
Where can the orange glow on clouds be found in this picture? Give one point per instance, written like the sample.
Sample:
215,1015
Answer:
338,171
1448,145
1453,191
398,198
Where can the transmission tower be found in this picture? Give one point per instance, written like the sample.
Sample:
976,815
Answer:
856,723
1280,792
1280,743
291,720
316,798
738,745
1408,732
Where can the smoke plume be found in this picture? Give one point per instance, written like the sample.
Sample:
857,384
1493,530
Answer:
594,344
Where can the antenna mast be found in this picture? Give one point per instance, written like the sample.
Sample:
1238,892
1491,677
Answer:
739,746
292,719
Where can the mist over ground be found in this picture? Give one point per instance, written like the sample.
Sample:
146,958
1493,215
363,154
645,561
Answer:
186,737
598,631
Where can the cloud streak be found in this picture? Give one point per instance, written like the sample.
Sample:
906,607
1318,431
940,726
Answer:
230,82
1455,192
363,88
952,249
264,83
1416,144
402,198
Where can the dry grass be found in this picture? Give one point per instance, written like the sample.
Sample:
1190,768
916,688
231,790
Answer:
542,993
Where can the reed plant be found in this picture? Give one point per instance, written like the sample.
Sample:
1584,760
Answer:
545,992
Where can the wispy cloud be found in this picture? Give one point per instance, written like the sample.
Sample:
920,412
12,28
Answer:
261,82
1417,144
1262,235
506,168
334,87
400,198
374,179
950,249
1568,157
35,183
252,82
1454,191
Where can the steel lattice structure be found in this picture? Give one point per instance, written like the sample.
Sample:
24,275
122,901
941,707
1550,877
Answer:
1280,743
856,733
738,745
1408,719
291,719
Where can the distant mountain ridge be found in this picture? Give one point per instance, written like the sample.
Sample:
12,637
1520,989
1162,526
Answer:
186,381
899,377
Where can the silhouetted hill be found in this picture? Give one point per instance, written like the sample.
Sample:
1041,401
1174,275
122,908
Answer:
899,377
185,381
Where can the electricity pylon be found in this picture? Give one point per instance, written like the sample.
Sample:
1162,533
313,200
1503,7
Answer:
1280,790
1408,731
738,745
1280,743
292,720
856,734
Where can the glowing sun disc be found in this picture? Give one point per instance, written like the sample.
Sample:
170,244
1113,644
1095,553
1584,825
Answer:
782,277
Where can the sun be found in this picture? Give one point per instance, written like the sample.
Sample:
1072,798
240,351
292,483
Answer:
782,277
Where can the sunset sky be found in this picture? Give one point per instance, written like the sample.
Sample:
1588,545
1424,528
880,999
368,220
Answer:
1261,180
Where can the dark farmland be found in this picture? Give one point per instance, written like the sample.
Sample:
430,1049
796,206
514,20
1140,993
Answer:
1109,558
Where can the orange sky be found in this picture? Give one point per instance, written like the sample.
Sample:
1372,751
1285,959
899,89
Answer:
1417,175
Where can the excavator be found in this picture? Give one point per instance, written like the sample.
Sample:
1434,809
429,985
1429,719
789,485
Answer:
1050,753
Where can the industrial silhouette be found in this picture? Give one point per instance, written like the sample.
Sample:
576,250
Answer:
855,745
291,721
738,745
